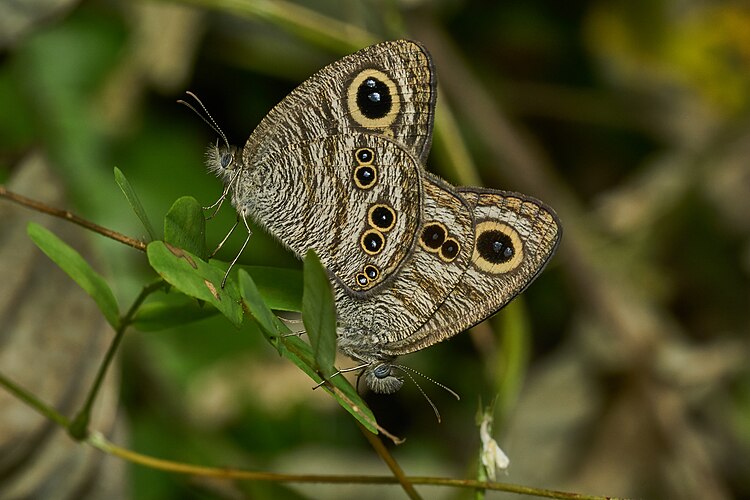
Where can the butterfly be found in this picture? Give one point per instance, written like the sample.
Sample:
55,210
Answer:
338,166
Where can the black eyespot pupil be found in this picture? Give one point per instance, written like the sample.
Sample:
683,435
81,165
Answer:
495,246
364,155
362,279
373,99
365,175
382,217
433,236
371,272
449,249
373,242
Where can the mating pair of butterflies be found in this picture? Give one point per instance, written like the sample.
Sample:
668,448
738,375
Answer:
338,166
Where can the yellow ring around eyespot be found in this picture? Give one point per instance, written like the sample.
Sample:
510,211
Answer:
372,182
351,99
423,245
360,162
372,223
364,247
440,248
503,267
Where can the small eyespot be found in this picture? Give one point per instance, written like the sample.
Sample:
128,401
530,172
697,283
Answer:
371,272
362,280
372,241
365,176
364,156
382,217
449,250
433,235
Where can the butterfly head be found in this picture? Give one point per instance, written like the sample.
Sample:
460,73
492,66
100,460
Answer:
381,378
222,159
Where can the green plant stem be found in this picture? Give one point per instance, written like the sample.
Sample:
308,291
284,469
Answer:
78,428
398,473
98,441
324,31
33,402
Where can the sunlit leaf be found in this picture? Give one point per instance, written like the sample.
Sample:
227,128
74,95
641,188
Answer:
196,278
298,352
134,202
78,269
185,226
319,313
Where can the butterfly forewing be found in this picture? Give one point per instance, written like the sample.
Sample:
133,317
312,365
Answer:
387,89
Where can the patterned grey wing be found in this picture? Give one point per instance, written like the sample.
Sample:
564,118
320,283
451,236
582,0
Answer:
387,89
514,238
443,250
355,199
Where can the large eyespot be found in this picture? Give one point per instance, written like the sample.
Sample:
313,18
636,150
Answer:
365,176
498,247
364,156
372,241
382,217
433,235
373,99
449,250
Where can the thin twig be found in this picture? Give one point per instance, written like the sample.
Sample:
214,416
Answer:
33,402
79,427
70,217
100,442
381,450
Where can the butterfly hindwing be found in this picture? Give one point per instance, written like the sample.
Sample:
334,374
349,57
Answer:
355,199
387,89
514,237
427,277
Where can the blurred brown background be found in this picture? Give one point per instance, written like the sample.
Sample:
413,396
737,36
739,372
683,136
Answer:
622,371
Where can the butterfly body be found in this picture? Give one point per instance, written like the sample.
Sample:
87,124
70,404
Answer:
338,166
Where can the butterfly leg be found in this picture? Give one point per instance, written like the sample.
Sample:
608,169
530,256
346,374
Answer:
221,243
218,203
237,257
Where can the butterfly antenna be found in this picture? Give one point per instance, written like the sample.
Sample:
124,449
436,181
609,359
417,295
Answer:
434,408
206,118
451,391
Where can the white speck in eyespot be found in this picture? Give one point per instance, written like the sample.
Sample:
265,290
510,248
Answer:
374,97
370,82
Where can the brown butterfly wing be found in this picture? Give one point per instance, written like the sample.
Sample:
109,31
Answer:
514,238
387,89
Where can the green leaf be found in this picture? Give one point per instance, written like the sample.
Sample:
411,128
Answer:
163,314
185,226
280,288
319,313
134,202
78,269
196,278
294,349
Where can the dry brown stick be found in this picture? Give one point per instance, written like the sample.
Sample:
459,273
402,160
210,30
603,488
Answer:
70,217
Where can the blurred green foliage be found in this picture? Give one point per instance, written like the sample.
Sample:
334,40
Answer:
623,370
